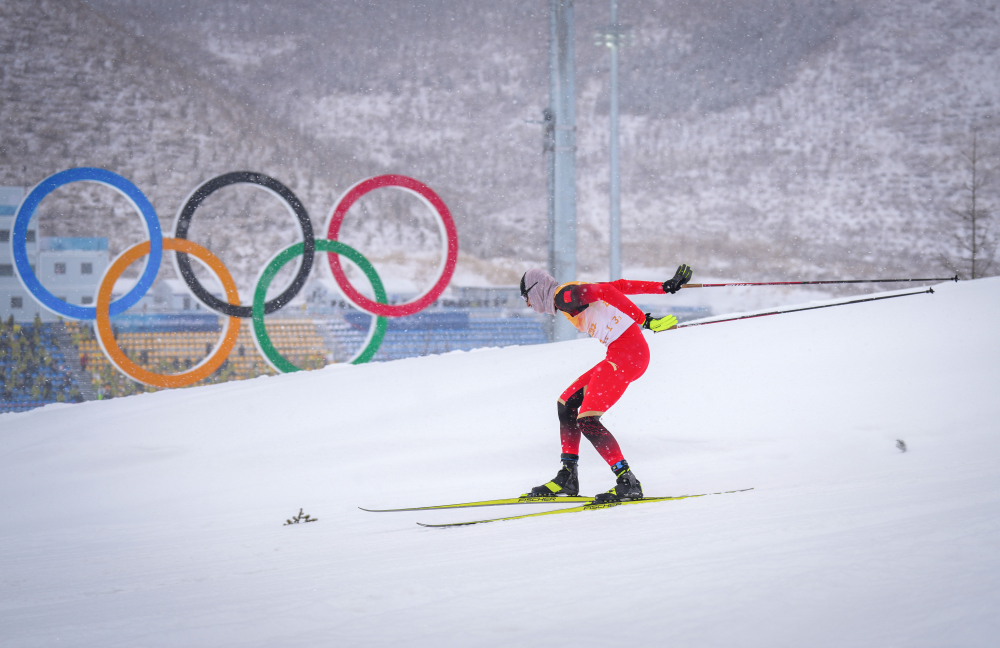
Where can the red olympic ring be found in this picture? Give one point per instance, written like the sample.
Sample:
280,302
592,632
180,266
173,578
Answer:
445,224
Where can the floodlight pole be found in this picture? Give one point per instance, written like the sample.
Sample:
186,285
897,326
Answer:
614,216
614,36
549,146
562,104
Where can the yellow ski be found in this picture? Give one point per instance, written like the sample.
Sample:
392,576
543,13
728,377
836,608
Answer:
524,499
586,507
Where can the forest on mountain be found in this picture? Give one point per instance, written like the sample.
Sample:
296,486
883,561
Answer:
760,140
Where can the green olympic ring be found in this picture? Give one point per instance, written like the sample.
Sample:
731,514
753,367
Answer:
261,338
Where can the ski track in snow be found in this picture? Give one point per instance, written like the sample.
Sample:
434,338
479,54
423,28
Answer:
156,520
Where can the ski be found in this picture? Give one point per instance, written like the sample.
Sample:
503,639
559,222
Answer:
524,499
589,506
592,506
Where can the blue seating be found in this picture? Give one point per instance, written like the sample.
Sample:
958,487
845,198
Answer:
40,362
38,375
439,333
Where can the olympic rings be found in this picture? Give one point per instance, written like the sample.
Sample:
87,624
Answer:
104,308
19,239
106,337
272,186
446,226
261,340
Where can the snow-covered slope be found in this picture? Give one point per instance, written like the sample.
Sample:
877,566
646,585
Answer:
156,520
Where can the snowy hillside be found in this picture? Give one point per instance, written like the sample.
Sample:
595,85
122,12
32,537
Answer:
156,520
759,138
77,90
848,167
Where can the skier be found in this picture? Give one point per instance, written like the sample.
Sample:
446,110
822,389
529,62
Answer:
602,311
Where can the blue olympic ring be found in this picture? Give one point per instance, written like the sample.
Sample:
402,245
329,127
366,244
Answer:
19,240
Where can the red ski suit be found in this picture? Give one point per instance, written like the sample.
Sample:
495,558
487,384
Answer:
593,393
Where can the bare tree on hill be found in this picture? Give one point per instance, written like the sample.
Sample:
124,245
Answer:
972,249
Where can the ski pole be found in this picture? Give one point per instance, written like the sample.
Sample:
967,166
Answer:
809,283
929,291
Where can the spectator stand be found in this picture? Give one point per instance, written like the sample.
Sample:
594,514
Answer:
36,371
171,343
33,368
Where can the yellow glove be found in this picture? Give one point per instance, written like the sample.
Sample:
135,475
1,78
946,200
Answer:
662,324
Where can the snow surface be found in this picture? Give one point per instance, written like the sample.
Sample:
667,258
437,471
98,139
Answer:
156,520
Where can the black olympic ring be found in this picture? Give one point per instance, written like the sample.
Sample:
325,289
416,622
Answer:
281,191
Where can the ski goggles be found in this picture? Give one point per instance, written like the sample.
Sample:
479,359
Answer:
525,291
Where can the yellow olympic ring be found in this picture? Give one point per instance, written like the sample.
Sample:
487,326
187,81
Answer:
106,337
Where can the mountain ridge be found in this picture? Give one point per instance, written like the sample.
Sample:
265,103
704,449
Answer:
830,151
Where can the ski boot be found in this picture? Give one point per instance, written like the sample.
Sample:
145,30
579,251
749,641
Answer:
626,489
566,482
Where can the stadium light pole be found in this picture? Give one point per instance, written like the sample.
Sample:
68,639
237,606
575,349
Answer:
548,150
613,36
562,91
549,146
